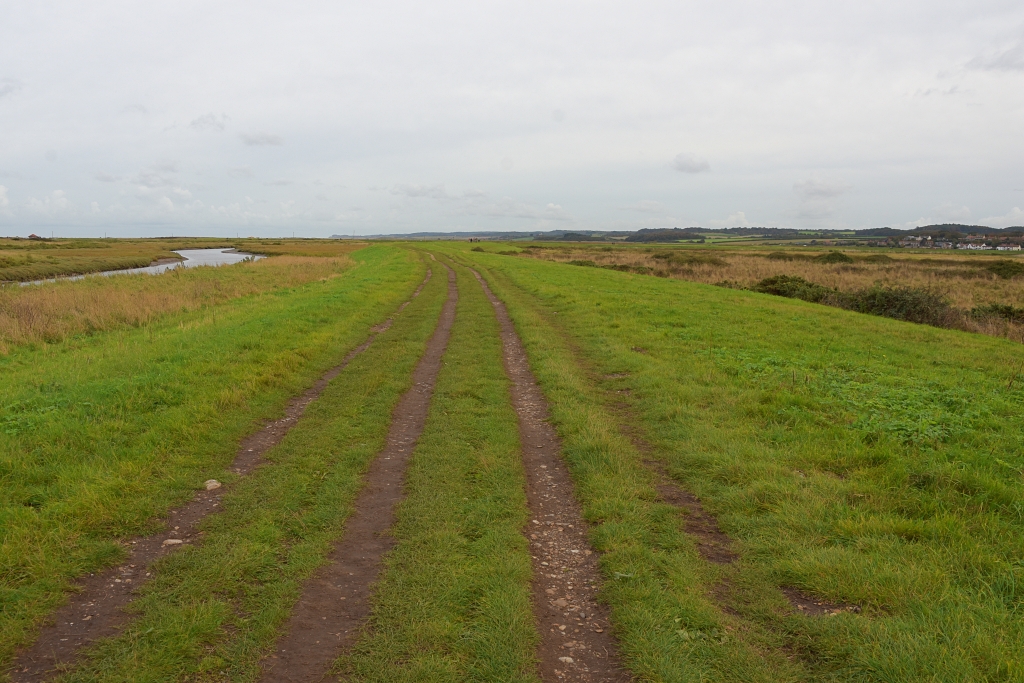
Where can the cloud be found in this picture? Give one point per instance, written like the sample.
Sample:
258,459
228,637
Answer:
735,220
4,201
240,172
9,86
688,163
810,190
209,122
431,191
105,177
55,202
1011,59
1013,218
261,139
278,183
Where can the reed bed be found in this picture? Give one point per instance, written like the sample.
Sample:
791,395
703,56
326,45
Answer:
52,312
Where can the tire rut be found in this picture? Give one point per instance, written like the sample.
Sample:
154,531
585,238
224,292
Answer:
577,643
335,602
96,610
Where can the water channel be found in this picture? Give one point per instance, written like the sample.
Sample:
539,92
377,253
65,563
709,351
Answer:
193,258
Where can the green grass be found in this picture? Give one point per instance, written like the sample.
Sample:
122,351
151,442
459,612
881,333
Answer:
100,435
453,603
859,459
213,610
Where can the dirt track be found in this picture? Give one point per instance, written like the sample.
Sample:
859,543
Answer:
96,610
577,643
335,602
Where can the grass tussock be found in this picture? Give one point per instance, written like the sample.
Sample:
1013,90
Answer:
54,311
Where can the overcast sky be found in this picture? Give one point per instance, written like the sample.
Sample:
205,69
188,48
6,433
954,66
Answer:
263,118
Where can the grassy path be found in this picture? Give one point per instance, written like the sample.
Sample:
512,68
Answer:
214,609
854,460
335,602
103,435
453,602
97,609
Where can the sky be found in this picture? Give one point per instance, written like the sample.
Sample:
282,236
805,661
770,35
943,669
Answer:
322,118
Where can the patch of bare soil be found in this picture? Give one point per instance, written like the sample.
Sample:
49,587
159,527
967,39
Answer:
577,643
712,543
335,602
96,609
813,607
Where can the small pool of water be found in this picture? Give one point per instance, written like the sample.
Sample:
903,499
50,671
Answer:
193,258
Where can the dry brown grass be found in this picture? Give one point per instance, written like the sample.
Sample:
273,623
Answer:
54,311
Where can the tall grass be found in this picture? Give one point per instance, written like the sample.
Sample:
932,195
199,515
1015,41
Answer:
54,311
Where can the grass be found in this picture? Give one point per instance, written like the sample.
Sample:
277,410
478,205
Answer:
212,611
102,434
861,460
453,603
53,312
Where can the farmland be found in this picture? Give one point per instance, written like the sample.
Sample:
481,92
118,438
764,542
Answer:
764,488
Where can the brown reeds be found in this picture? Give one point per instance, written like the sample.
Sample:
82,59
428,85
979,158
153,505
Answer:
51,312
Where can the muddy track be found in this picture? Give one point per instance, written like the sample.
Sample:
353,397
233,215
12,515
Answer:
96,609
577,643
335,602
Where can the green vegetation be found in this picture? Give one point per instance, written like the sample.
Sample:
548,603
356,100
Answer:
214,609
99,435
861,460
453,603
1006,269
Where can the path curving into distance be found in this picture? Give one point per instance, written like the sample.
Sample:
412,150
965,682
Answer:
97,610
576,642
335,602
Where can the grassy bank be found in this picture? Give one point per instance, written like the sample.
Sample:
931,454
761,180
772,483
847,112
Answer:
101,434
453,603
861,460
56,311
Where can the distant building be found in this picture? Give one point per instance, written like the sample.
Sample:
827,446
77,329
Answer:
34,236
1008,247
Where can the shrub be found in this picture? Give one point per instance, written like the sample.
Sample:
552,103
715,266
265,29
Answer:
1004,311
834,257
578,262
1006,269
779,256
477,249
688,258
793,287
902,303
878,258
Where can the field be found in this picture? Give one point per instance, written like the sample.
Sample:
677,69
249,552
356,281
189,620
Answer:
773,489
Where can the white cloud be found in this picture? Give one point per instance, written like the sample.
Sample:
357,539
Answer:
809,190
9,86
4,201
431,191
209,122
241,172
1010,59
735,220
688,163
105,177
1013,218
261,139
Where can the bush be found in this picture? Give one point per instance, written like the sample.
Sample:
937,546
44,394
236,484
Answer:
794,287
589,264
779,256
834,257
902,303
878,258
1006,269
477,249
688,258
1004,311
